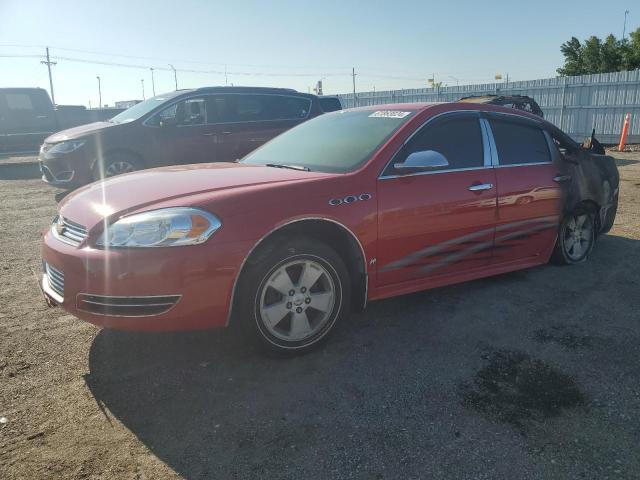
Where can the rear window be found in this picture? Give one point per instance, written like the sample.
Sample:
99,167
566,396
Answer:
330,104
518,143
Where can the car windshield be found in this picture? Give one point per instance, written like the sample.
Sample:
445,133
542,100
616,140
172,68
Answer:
335,142
142,108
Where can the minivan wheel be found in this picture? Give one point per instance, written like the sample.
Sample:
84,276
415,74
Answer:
293,296
116,164
576,238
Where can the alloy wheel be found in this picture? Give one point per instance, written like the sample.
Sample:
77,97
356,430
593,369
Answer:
297,300
578,236
118,167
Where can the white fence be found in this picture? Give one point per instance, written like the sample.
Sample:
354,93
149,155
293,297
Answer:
575,104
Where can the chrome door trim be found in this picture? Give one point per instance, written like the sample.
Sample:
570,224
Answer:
486,143
244,261
524,164
449,170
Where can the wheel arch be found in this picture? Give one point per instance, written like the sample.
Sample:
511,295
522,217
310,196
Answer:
333,233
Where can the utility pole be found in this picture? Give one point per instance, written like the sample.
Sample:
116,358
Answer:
153,83
624,27
142,81
175,75
225,75
48,63
99,93
355,99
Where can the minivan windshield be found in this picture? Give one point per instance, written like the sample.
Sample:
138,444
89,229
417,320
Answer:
334,142
142,108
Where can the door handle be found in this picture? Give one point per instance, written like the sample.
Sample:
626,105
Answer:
561,178
481,186
208,134
227,133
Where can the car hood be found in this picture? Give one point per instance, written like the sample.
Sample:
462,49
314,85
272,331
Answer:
136,191
78,132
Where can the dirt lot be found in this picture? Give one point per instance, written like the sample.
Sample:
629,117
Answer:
531,375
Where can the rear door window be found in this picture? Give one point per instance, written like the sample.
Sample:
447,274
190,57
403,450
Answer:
518,143
260,108
280,107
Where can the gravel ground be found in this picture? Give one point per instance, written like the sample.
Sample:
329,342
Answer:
530,375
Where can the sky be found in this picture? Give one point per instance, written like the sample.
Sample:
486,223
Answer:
391,45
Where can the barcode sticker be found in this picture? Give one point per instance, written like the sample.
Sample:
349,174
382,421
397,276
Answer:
389,114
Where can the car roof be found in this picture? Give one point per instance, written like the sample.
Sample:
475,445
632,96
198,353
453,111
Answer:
226,89
453,106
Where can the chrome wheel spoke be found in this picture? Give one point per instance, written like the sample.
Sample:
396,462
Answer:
577,249
321,301
569,243
300,326
580,221
275,313
310,274
281,282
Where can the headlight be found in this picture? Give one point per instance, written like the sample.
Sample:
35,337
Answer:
169,227
66,147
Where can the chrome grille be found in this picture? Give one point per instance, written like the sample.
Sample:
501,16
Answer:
55,278
68,231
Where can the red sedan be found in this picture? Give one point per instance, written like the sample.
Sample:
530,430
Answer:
349,207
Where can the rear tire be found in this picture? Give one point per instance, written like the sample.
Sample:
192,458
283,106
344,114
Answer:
115,164
292,295
576,238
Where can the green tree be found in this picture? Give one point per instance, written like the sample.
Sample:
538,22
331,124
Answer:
572,51
596,56
610,55
592,55
630,51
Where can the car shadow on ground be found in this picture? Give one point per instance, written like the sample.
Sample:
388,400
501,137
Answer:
210,406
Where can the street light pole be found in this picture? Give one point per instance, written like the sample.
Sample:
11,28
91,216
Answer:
175,75
99,93
153,83
624,27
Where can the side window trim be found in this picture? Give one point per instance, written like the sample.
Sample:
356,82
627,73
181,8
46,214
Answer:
485,150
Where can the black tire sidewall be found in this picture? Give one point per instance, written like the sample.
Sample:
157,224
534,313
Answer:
257,275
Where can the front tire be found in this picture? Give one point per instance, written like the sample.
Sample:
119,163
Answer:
115,164
576,238
293,294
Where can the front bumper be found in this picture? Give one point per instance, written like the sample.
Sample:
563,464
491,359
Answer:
155,289
66,171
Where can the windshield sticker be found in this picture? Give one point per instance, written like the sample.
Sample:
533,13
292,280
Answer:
389,114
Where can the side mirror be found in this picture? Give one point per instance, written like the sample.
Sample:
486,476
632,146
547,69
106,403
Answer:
168,122
423,160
